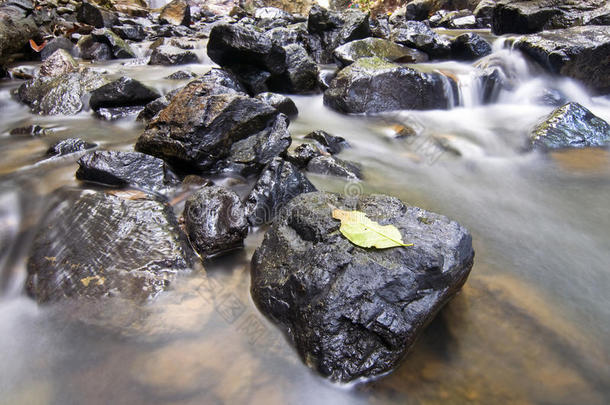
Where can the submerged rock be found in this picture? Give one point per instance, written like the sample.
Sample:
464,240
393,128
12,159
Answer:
353,312
369,47
279,183
332,144
373,85
62,94
571,126
121,169
201,123
333,166
123,92
579,52
215,221
92,244
283,104
67,146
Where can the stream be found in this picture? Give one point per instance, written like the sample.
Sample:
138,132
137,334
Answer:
532,324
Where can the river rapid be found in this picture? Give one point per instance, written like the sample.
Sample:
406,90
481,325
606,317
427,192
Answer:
532,324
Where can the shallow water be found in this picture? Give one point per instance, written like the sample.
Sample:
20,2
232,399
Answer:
531,325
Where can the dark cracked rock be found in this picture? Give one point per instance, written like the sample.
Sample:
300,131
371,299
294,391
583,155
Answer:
331,143
67,146
415,34
469,46
333,166
354,312
91,244
279,183
579,52
123,92
96,16
126,169
283,104
570,126
201,123
215,221
369,47
372,85
169,55
301,74
232,45
302,154
58,63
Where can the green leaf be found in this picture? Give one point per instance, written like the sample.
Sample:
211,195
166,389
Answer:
361,231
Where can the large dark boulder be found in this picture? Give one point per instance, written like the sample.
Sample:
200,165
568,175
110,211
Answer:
353,312
526,17
231,45
215,221
61,94
469,46
60,62
96,16
122,169
119,48
176,12
279,183
331,144
373,85
579,52
92,244
201,123
123,92
301,74
283,104
570,126
415,34
17,27
384,49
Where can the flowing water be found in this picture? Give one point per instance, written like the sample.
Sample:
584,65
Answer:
531,325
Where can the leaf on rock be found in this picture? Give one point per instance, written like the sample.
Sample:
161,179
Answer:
362,231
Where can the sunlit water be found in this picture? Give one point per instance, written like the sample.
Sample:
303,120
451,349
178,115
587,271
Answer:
531,325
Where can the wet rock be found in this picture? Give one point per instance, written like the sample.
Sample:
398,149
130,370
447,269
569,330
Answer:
181,75
67,146
484,12
221,77
374,85
302,154
117,113
123,92
253,79
92,244
55,44
215,220
354,312
325,77
301,74
154,107
122,169
417,10
17,27
169,55
60,62
570,126
90,49
272,13
380,27
201,123
335,29
30,130
130,31
579,52
469,46
233,45
415,34
462,19
250,155
176,12
279,183
282,36
95,16
61,94
118,47
369,47
333,166
283,104
332,144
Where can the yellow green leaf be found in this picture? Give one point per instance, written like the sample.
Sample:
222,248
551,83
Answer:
362,231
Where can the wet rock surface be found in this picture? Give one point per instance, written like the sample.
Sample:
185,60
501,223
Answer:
331,143
570,126
123,92
123,169
96,16
374,85
143,248
333,166
469,46
369,47
354,312
302,154
58,63
283,104
203,121
215,221
67,146
415,34
278,183
579,52
168,55
176,12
